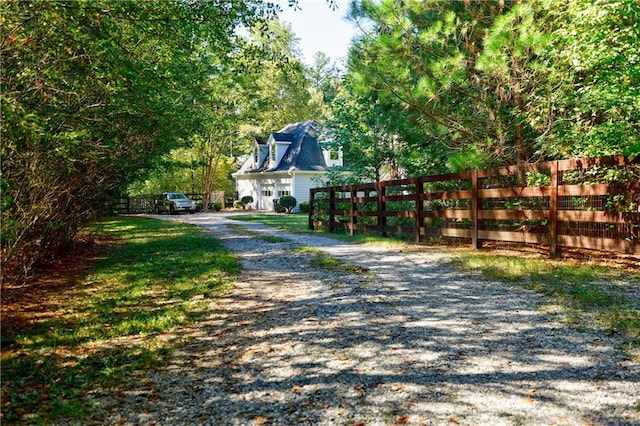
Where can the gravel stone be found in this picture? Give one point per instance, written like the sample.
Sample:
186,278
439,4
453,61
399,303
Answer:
408,340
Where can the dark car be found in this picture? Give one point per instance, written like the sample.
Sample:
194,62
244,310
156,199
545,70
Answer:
174,203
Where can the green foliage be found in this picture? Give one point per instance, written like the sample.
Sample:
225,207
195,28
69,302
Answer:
288,202
476,84
94,93
304,207
281,91
247,199
597,69
103,328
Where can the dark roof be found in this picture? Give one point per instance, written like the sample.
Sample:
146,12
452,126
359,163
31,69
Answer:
303,153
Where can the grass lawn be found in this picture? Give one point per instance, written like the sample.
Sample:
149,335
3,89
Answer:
290,222
299,224
96,329
586,295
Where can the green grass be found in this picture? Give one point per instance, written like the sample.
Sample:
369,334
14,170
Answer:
264,237
299,224
104,327
322,260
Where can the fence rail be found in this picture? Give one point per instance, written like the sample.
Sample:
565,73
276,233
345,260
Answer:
141,204
591,203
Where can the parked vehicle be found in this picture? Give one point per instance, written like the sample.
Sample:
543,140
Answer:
174,203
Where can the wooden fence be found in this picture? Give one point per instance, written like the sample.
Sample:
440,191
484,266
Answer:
591,203
141,204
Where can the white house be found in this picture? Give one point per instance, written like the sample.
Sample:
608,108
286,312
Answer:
290,162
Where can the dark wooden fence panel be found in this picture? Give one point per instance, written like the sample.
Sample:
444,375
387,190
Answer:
591,203
141,204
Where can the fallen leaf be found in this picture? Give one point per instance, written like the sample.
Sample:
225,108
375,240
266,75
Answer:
402,419
260,420
297,388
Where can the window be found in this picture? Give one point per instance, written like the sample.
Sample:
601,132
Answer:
333,155
273,152
267,192
255,155
282,193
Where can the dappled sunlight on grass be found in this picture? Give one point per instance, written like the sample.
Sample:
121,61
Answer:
581,292
102,328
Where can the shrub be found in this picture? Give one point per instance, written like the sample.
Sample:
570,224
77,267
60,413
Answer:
304,207
238,204
247,199
277,207
288,202
216,207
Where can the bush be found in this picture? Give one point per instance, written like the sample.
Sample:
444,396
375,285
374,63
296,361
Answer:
247,199
277,207
288,202
238,205
216,207
304,207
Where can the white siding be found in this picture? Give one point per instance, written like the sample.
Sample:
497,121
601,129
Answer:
302,183
298,185
247,187
263,190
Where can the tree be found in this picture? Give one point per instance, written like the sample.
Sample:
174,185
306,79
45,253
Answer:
464,71
324,78
94,93
372,150
596,79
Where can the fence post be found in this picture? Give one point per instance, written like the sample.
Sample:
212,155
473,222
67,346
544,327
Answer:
332,207
354,208
475,242
310,225
382,207
553,211
419,210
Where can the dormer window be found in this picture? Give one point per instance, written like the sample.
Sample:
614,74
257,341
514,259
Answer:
256,154
273,152
332,157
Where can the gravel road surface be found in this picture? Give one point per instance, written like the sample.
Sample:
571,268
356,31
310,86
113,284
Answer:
402,339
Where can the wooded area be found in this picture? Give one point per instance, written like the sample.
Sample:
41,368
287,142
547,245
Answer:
104,99
590,203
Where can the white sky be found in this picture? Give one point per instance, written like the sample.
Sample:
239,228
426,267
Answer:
319,28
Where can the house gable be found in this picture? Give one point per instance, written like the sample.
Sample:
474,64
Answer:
288,159
278,144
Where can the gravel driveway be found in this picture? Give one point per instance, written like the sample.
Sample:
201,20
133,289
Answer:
405,339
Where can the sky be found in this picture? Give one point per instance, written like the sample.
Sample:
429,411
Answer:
319,28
